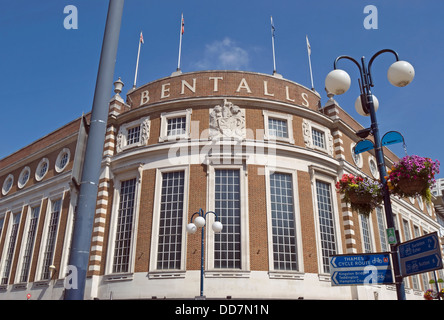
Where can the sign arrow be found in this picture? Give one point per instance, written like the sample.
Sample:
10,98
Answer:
333,262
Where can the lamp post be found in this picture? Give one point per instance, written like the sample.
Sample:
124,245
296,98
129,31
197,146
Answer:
400,74
199,222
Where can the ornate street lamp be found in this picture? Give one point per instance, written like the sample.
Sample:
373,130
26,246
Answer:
400,74
199,222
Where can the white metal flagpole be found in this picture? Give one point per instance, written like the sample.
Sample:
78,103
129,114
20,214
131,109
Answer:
272,43
182,29
309,61
137,63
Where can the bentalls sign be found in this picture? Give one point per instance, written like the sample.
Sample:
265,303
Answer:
225,84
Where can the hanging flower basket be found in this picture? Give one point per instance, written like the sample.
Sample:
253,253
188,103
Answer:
409,186
360,199
413,176
430,294
362,194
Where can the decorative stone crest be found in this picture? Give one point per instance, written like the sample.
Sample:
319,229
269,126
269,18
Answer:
306,132
119,140
227,121
145,132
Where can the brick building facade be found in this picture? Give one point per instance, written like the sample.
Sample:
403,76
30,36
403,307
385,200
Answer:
259,150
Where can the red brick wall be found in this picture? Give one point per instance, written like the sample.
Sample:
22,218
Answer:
257,207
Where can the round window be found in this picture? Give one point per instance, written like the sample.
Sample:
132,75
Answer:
42,169
373,167
7,184
62,160
24,177
357,158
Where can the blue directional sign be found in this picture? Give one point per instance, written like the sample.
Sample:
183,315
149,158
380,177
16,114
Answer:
374,268
360,260
363,145
420,255
360,277
392,137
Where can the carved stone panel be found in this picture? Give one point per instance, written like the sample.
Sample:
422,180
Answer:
227,121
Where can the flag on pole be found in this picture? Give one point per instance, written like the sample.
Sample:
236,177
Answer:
272,43
308,46
183,25
272,26
137,63
309,61
182,30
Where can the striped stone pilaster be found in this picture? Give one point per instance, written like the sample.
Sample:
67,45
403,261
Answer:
97,241
110,141
338,145
331,111
116,107
349,228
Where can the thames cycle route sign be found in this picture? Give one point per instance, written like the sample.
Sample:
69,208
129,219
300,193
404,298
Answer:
420,255
360,269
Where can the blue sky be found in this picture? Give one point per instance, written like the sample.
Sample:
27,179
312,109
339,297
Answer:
49,72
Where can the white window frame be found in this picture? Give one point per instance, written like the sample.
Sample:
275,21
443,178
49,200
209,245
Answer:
371,233
359,163
42,162
153,271
420,202
382,229
5,188
285,117
429,208
12,215
21,183
376,173
25,240
273,273
165,116
328,177
58,166
38,274
122,136
406,232
307,127
131,173
325,131
244,271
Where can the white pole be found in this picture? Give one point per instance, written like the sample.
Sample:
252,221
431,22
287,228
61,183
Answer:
180,43
272,42
137,63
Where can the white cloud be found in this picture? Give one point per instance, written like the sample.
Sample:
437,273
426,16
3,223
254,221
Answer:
225,55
